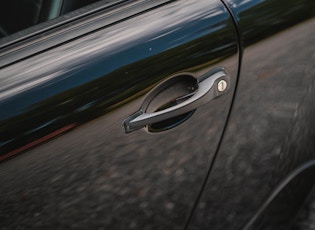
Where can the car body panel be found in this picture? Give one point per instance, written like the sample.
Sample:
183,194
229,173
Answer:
270,133
67,161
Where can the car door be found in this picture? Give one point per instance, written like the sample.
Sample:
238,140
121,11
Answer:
110,117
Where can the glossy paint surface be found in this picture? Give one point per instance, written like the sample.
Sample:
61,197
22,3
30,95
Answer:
95,176
270,133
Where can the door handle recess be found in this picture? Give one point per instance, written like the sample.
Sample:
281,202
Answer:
209,86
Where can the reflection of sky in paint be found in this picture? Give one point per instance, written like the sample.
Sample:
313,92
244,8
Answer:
125,43
241,5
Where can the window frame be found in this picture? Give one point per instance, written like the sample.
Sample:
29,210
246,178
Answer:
69,27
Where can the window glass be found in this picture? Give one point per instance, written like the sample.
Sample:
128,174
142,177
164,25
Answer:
17,15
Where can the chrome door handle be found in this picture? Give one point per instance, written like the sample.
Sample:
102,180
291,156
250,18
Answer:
209,86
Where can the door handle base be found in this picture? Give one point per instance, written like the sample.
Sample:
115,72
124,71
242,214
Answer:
208,87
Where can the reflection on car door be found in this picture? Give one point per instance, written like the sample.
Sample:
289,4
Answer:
95,174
